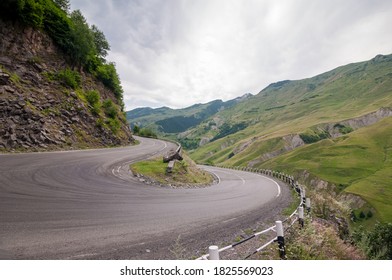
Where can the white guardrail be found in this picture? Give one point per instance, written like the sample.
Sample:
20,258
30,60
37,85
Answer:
298,215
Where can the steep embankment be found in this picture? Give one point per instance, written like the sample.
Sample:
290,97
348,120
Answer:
46,105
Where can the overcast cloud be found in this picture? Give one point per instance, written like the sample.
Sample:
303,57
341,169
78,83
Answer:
180,52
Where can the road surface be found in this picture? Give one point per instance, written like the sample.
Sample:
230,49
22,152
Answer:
86,205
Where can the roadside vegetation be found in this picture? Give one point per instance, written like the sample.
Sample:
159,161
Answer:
85,46
358,163
185,172
144,132
318,240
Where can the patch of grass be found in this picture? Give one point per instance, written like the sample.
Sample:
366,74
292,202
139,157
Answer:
14,77
109,109
318,241
93,98
69,78
293,205
35,60
113,124
184,172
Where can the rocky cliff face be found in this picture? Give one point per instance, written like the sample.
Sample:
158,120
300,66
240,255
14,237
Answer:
38,112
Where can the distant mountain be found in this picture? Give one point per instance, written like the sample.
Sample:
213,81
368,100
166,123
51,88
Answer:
165,120
303,107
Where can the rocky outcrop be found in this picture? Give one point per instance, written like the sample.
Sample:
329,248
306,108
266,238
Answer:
289,143
334,129
37,113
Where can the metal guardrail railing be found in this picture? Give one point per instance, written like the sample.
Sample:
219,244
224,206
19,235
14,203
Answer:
298,215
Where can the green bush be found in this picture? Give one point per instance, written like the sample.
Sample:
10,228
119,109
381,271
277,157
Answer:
96,109
93,99
314,136
136,129
346,129
189,144
107,74
343,129
58,25
109,109
113,124
146,132
69,78
377,244
100,123
32,12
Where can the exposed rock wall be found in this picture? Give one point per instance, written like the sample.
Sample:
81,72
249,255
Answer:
362,121
37,113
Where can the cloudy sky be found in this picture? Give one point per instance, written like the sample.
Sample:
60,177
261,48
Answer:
180,52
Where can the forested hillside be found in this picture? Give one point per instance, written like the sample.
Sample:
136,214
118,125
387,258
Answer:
178,123
56,89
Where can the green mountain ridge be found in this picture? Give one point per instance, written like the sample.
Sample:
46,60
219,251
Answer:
335,126
168,121
293,107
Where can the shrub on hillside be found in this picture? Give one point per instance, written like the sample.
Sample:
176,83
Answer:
108,75
319,241
314,136
113,124
146,132
69,78
93,99
109,108
377,244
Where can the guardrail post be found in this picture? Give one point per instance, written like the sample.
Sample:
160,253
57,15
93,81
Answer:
301,216
307,204
213,251
280,239
303,196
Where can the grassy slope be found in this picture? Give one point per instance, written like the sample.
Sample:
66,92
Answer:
346,92
360,161
184,172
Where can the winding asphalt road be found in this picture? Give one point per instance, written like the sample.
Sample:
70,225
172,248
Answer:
86,205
